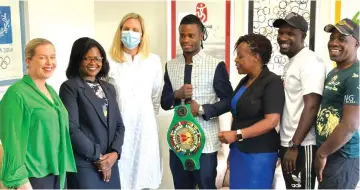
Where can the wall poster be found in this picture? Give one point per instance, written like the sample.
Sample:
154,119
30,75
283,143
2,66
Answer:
11,42
215,16
262,13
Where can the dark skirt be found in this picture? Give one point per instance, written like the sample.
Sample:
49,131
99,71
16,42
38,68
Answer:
91,178
251,170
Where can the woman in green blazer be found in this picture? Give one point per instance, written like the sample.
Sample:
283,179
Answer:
34,126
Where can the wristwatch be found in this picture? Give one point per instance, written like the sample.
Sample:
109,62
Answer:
239,136
293,145
201,111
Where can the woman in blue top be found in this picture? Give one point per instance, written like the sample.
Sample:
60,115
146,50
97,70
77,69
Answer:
257,104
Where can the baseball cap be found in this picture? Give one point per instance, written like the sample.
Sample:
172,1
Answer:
346,27
293,19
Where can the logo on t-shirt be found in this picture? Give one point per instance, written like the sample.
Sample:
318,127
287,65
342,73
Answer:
349,99
332,84
327,119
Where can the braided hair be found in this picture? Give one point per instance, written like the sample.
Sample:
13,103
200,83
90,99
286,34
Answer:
192,19
258,44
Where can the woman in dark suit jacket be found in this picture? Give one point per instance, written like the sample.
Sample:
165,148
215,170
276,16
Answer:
256,106
96,127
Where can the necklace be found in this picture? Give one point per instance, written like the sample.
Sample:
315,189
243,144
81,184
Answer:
250,81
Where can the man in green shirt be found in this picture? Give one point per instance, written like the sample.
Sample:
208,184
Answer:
337,135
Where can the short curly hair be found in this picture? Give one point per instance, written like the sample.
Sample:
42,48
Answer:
258,44
192,19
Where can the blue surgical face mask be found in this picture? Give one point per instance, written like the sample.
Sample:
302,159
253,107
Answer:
130,39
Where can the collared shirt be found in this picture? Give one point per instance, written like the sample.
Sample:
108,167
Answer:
35,135
219,84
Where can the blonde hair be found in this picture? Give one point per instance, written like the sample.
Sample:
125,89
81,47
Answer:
117,49
30,49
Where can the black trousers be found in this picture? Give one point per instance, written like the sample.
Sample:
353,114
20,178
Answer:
91,178
202,179
47,182
340,172
304,176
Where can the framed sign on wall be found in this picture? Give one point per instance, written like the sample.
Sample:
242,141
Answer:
12,41
262,14
215,15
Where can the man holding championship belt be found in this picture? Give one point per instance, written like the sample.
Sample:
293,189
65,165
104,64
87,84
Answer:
199,81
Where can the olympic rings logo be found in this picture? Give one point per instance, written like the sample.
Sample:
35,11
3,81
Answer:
280,59
4,62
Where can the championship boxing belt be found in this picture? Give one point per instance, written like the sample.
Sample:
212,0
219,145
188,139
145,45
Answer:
186,138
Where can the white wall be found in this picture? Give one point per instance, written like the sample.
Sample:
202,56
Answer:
108,15
61,22
324,15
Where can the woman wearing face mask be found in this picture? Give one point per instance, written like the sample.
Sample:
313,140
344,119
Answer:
34,126
96,127
137,76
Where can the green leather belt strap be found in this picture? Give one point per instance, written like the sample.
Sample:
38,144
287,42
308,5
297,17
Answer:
186,138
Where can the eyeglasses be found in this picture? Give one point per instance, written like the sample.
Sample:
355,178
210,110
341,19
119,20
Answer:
96,59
